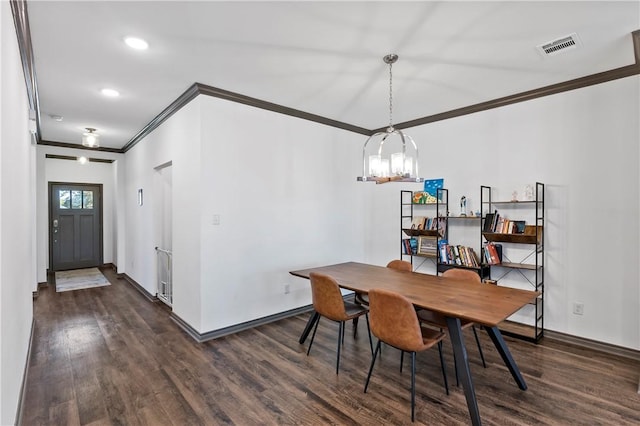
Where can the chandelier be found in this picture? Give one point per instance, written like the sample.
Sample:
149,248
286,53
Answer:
394,157
90,139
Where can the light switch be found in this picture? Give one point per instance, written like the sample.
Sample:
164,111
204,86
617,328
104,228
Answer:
216,219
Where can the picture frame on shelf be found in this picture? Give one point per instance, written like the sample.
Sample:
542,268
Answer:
427,245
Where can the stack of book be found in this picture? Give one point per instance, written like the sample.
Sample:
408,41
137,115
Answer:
429,224
493,222
492,253
458,255
410,246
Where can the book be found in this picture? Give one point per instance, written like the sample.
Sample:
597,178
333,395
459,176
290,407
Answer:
519,226
418,222
488,222
493,254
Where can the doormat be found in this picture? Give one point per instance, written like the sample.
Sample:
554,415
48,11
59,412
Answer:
80,278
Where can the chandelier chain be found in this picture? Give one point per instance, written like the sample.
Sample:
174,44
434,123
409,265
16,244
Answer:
390,97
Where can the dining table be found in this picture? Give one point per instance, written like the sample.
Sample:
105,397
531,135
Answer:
454,298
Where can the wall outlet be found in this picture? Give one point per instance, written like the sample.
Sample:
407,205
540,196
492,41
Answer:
578,308
287,289
215,219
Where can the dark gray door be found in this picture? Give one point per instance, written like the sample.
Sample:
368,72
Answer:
75,225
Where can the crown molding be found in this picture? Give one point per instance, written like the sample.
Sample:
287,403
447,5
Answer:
23,32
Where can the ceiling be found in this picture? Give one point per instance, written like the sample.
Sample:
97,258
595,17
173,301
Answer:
322,58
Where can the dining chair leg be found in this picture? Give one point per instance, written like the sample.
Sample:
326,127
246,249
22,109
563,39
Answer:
355,327
366,316
401,360
444,368
475,333
455,367
373,361
413,384
340,339
315,328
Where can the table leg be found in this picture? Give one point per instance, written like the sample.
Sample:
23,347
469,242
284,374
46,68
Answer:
502,348
307,329
462,365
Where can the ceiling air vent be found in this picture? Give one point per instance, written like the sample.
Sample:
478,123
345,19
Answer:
560,45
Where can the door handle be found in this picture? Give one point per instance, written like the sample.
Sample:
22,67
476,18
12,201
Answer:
55,223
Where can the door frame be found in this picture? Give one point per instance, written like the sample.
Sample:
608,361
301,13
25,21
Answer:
50,218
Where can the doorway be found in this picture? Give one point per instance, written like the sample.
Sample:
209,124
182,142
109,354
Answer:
75,225
162,213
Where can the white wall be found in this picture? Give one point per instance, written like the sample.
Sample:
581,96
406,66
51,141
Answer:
177,141
583,145
286,193
56,170
17,221
284,190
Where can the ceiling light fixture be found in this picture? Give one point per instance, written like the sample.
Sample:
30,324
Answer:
136,43
110,93
395,157
90,139
82,160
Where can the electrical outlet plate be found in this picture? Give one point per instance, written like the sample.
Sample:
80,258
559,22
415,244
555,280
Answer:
287,289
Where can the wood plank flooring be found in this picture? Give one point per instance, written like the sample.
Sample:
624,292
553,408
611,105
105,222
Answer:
107,356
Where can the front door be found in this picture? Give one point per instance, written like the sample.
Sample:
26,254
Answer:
75,225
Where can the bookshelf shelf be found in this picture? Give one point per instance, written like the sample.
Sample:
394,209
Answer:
420,232
512,238
531,266
516,265
410,211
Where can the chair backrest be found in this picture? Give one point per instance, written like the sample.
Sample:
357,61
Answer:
327,299
463,274
401,265
393,320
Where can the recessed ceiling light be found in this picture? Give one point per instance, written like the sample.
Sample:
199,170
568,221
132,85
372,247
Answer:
136,43
110,93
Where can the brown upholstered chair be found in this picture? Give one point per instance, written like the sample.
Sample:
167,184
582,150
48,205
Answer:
437,320
394,322
328,302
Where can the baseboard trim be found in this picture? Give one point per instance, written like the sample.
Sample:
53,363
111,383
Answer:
210,335
38,287
25,375
593,344
150,297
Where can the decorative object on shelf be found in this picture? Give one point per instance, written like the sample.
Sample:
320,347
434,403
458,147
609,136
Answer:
478,213
421,197
463,206
431,187
514,196
528,193
90,138
395,157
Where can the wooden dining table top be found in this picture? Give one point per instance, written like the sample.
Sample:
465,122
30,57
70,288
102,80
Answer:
485,304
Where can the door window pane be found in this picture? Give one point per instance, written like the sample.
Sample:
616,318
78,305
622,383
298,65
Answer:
65,198
87,199
76,199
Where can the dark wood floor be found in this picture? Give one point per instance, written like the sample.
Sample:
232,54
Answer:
108,356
